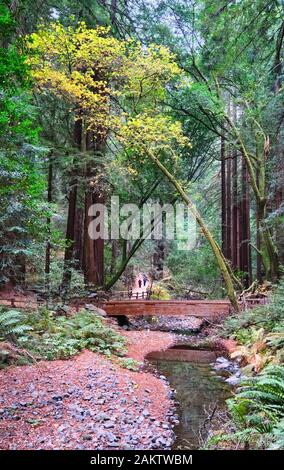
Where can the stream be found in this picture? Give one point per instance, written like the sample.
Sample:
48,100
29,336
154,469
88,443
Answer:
199,390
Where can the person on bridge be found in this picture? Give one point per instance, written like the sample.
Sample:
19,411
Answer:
139,283
145,280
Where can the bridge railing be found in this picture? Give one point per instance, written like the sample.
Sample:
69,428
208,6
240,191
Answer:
120,295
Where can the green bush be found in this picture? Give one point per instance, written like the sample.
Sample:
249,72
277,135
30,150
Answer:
270,317
57,337
128,363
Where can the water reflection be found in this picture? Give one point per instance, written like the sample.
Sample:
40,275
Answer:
199,390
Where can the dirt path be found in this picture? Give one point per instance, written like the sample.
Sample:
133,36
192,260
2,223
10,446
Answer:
87,402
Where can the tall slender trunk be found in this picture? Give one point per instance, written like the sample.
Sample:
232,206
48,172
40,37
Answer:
158,258
124,249
90,273
245,246
229,206
48,225
114,255
235,235
235,214
99,249
223,196
78,245
70,234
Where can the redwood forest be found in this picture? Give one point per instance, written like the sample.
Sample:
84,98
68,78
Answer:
141,229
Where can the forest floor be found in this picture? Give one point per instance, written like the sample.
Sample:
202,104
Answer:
88,402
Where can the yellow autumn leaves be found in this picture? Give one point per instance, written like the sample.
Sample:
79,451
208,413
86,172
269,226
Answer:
113,84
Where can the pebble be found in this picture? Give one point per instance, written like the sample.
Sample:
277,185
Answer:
60,411
109,424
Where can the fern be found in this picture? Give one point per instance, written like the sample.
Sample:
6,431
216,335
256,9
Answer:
60,337
264,392
258,407
277,436
12,324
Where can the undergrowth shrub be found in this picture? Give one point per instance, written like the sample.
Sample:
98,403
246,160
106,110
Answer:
257,411
260,330
58,337
159,293
12,324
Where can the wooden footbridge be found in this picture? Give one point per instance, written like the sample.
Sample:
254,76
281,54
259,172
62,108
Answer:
141,304
196,308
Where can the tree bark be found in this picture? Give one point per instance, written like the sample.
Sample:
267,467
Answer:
48,225
223,197
228,253
235,234
159,258
245,245
78,245
93,249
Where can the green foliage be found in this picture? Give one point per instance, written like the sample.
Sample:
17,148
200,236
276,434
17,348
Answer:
196,268
12,324
258,407
277,436
13,69
77,286
270,317
257,410
22,180
22,211
57,337
128,363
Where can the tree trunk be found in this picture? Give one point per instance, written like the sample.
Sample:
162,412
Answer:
235,235
158,259
48,225
78,245
114,255
93,248
70,234
228,253
223,197
99,250
245,246
90,273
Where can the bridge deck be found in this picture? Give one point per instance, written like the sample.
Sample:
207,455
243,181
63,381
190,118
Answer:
197,308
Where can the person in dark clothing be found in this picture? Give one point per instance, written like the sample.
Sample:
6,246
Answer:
145,280
139,283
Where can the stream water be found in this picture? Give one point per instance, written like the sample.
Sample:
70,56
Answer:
198,390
